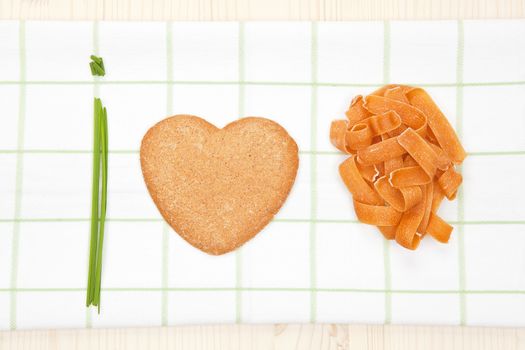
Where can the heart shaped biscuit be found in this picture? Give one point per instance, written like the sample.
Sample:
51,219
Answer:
216,187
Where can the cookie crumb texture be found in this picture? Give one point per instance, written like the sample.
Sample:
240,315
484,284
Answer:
217,188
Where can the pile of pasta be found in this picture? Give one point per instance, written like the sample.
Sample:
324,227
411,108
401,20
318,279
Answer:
402,164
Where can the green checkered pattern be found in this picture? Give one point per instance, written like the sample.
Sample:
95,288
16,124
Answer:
312,221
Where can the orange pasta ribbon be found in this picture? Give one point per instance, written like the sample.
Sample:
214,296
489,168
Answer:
422,228
397,93
439,228
380,152
402,164
337,134
401,199
356,112
378,215
411,116
355,183
409,176
406,232
438,123
449,182
359,136
419,150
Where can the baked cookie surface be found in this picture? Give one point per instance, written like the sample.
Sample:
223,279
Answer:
217,188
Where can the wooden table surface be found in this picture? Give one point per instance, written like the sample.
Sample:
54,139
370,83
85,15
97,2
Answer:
330,10
265,336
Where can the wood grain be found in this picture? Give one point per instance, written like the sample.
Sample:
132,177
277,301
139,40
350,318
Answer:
265,336
201,10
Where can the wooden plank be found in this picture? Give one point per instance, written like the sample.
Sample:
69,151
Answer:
262,337
259,9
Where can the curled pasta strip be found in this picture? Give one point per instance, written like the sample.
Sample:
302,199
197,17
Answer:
439,228
337,134
355,183
443,162
401,199
438,123
376,214
409,161
397,93
349,137
411,116
383,123
368,172
406,232
409,176
402,163
398,131
419,150
429,190
379,152
383,90
356,112
449,183
393,164
359,136
437,197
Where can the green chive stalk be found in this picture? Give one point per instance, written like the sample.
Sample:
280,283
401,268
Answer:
98,192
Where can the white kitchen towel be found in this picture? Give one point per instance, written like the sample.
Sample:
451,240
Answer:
314,262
